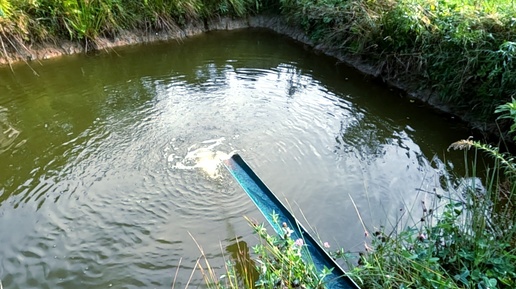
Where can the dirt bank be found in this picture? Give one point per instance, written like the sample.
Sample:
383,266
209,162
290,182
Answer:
277,24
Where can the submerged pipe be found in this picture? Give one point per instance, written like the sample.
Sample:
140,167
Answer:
268,204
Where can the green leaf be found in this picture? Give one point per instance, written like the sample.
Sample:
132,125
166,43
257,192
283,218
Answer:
433,260
463,277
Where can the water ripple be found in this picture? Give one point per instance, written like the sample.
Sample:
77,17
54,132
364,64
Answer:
121,169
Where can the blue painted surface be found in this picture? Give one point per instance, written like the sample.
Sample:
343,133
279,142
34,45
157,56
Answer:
268,204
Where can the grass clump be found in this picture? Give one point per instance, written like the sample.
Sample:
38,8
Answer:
458,246
281,264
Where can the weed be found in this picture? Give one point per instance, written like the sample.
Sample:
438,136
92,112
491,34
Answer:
280,261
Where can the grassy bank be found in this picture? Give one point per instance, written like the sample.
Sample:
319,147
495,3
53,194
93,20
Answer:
27,22
464,50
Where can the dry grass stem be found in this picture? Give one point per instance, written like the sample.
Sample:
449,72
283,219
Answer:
175,275
463,144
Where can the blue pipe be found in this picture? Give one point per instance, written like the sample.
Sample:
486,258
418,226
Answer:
269,204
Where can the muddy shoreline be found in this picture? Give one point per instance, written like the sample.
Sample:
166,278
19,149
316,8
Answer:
274,23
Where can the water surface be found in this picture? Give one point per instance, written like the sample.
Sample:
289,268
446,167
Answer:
108,162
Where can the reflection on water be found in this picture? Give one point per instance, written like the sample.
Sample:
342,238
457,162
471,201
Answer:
110,161
242,262
8,133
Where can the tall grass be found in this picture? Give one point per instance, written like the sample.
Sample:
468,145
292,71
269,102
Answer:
25,22
465,240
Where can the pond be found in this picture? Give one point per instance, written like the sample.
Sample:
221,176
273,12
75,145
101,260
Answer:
109,163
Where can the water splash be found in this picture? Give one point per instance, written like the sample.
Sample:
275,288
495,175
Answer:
202,156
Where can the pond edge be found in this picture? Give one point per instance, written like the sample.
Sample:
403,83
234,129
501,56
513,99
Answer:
277,24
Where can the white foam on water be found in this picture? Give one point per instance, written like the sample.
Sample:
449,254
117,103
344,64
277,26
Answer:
203,156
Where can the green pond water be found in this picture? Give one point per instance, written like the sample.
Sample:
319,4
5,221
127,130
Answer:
109,163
